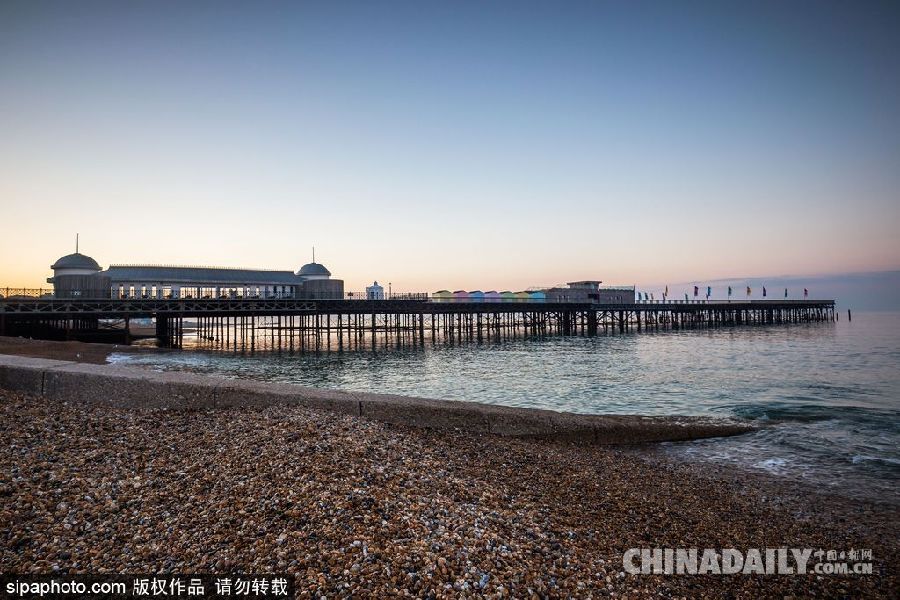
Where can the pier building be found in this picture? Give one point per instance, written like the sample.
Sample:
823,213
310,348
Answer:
585,292
80,276
590,292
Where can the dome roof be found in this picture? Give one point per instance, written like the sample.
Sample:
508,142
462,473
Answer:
76,261
312,269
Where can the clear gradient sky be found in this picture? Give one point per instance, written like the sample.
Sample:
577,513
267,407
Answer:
460,145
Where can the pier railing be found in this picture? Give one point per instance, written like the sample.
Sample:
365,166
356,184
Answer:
421,296
10,292
726,301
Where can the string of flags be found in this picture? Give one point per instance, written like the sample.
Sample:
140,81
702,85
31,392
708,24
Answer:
651,297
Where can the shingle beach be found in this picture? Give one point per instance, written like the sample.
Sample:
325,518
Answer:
352,507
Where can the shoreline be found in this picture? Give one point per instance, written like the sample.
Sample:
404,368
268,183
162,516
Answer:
124,387
644,432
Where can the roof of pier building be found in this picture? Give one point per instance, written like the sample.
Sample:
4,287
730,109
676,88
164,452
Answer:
313,269
76,261
199,275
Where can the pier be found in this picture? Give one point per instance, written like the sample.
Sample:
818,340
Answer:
305,324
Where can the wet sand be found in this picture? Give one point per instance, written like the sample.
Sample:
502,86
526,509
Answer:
354,507
74,351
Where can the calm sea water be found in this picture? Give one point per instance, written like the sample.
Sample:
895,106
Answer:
828,393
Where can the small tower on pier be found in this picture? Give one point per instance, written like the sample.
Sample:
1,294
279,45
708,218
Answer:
78,276
374,292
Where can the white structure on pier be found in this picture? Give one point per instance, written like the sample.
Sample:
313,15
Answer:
374,292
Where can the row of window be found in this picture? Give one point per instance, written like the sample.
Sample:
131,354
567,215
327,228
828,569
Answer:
167,292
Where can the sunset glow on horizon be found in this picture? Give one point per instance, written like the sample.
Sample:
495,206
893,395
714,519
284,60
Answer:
455,146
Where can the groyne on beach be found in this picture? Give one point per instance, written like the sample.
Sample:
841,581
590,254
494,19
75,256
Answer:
123,387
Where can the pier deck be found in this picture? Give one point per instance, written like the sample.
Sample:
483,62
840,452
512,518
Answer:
239,318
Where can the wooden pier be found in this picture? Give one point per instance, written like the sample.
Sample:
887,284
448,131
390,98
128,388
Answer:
327,324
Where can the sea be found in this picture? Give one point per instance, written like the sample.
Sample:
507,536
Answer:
825,395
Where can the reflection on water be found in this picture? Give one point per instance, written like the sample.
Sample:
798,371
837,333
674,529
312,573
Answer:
830,391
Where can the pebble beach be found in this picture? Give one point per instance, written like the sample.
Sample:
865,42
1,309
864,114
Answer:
352,507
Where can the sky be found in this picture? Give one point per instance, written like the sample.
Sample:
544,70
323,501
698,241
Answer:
453,145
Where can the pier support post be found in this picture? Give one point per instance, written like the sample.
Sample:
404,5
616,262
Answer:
162,331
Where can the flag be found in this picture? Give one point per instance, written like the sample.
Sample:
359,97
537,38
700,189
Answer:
667,291
708,291
696,291
748,290
729,291
805,292
764,291
785,292
685,297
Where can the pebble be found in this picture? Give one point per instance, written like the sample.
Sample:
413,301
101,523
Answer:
355,508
